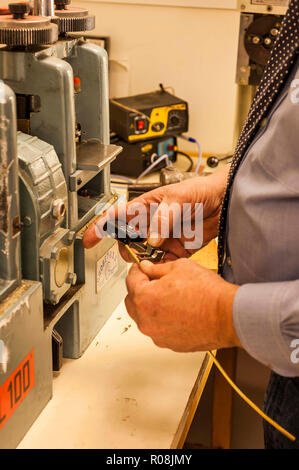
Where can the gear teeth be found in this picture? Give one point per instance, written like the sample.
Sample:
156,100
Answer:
73,24
28,36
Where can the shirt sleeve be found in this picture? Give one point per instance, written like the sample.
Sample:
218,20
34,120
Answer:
266,320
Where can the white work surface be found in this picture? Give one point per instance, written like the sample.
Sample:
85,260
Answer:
123,393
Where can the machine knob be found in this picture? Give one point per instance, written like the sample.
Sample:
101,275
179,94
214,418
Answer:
175,120
61,4
212,162
19,10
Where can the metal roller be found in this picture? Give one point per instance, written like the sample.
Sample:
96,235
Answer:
19,29
72,19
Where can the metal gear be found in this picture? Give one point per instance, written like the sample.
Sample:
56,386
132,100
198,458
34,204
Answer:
73,19
23,36
21,29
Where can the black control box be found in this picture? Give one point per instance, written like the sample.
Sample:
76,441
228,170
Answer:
135,158
148,116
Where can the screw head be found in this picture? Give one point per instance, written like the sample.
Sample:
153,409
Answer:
27,221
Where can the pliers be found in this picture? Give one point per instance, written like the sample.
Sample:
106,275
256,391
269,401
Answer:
126,234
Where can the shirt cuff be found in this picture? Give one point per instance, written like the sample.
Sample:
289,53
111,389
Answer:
257,319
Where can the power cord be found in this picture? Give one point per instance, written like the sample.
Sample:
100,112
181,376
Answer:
248,401
190,168
191,139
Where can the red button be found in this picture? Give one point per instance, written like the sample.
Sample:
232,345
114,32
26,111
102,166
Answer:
140,125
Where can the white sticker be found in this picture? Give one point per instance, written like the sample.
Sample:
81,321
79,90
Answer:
107,266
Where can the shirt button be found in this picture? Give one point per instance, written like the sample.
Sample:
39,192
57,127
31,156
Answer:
229,261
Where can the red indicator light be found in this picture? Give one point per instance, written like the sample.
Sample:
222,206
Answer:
77,84
140,125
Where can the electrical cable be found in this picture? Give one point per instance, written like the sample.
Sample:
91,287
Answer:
190,168
194,141
248,401
122,177
129,108
156,162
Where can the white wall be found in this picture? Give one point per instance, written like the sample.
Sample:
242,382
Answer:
192,49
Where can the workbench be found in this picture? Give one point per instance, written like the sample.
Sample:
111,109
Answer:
124,392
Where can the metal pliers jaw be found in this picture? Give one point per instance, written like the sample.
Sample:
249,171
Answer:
144,251
127,235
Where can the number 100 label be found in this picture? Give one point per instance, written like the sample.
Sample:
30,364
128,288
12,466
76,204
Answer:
16,387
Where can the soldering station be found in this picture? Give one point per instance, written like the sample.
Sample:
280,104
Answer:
69,150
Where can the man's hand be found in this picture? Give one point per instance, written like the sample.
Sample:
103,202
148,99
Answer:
206,190
182,306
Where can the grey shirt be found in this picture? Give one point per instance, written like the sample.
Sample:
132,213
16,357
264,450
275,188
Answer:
263,238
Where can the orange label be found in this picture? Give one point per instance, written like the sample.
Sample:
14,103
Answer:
16,387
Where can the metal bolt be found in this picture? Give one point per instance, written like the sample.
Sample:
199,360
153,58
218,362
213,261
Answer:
70,236
27,221
58,209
